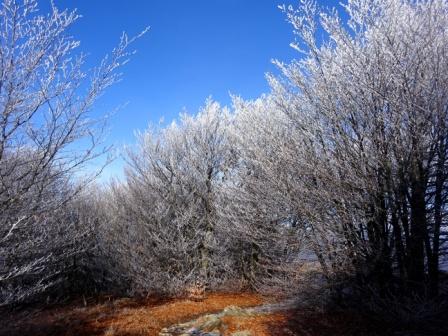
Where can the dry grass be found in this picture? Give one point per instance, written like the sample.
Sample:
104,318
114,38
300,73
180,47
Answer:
120,317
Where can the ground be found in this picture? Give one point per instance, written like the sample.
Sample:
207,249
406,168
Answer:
120,317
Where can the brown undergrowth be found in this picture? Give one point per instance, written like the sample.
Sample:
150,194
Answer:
118,317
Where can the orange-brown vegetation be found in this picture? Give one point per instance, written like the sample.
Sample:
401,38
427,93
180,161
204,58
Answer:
119,317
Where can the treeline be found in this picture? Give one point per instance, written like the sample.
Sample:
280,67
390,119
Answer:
345,158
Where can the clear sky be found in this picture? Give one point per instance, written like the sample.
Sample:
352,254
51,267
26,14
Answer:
194,49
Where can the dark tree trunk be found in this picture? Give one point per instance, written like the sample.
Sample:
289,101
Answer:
416,270
399,247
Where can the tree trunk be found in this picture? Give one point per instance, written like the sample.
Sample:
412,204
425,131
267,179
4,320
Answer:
208,237
418,228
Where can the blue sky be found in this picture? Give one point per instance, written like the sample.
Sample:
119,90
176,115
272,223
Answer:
194,49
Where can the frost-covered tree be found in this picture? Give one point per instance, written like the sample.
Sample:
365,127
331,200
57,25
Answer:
259,202
368,103
168,203
46,138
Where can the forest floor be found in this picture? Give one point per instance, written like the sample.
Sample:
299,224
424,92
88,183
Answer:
120,317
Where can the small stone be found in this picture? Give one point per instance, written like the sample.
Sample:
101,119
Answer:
211,322
242,333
